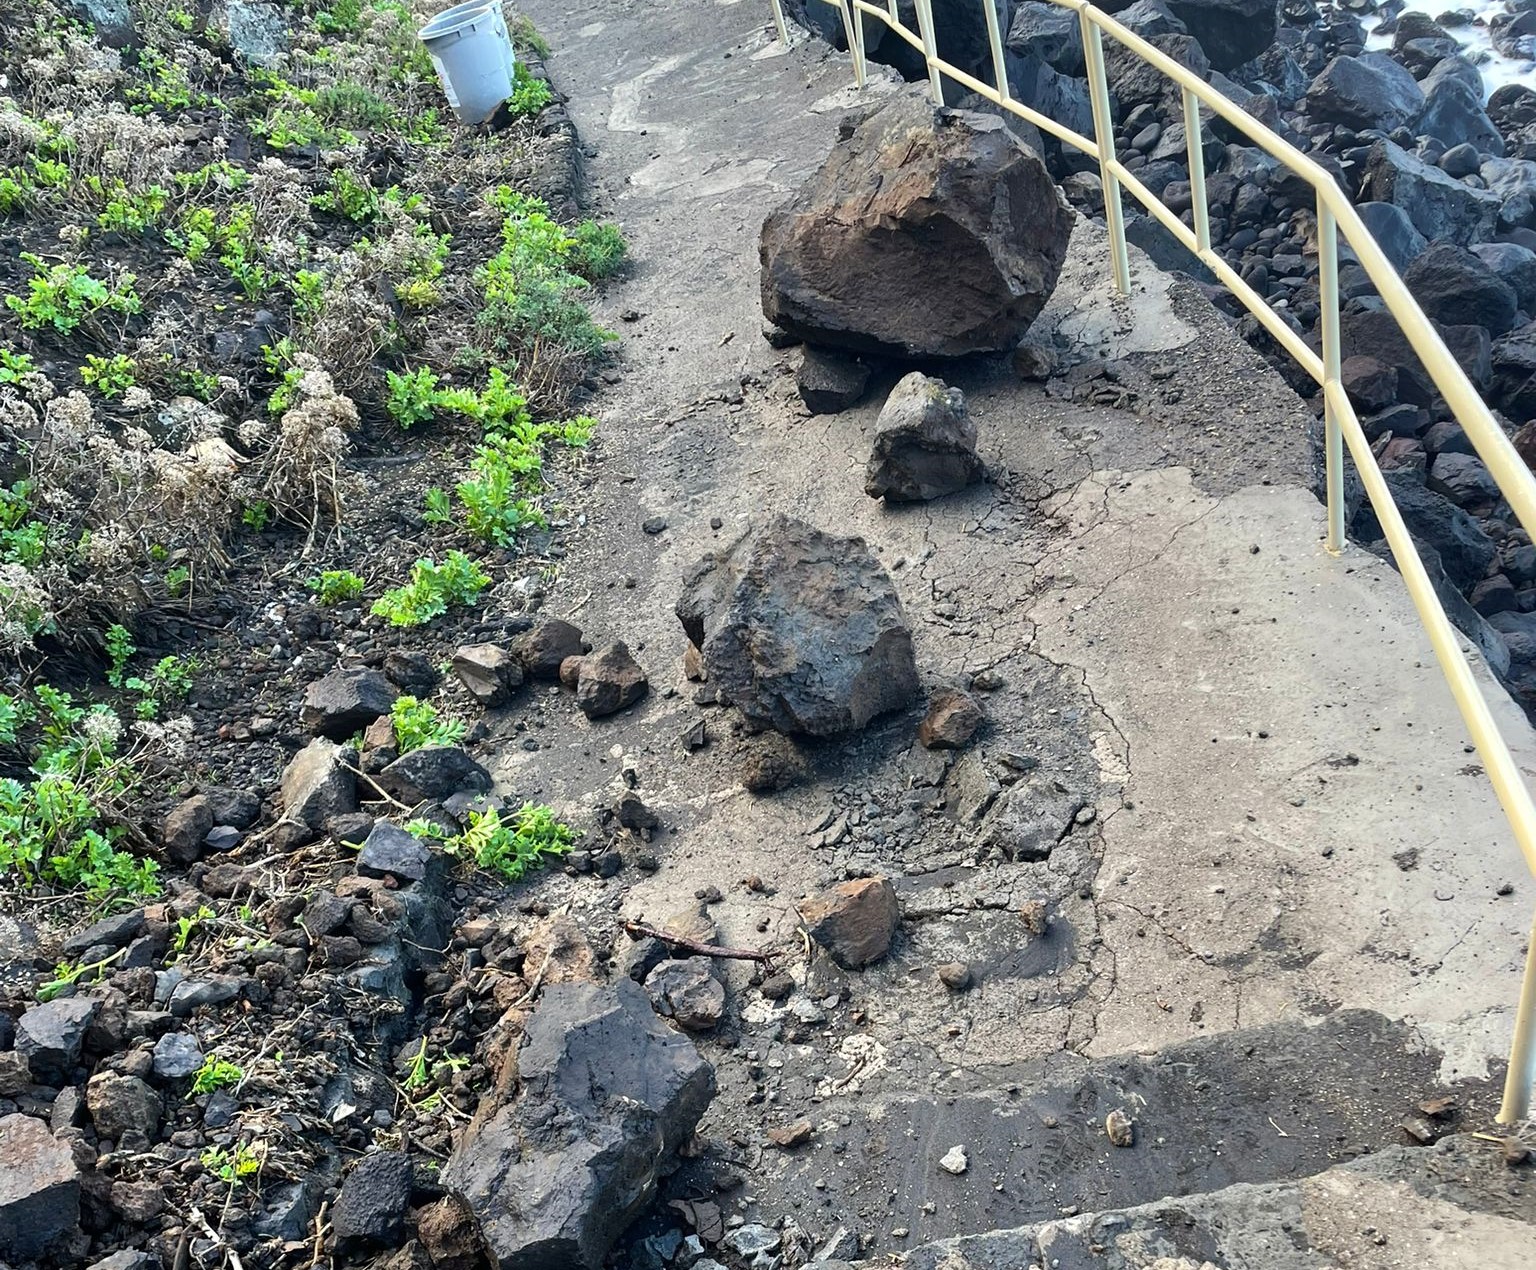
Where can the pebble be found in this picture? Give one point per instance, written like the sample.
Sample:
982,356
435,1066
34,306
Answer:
954,1161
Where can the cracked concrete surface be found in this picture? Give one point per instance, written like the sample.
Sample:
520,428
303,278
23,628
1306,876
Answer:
1282,819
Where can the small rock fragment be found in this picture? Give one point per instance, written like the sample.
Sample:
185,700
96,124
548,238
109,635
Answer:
955,975
490,673
373,1201
687,993
570,672
854,921
1515,1151
829,383
186,828
39,1189
925,443
952,720
791,1135
546,644
389,851
955,1161
1120,1128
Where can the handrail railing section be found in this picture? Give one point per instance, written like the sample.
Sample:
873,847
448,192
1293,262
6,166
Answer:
1336,217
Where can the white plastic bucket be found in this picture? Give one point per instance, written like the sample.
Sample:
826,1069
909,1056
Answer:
498,10
472,53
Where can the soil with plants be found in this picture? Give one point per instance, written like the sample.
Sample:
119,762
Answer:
291,374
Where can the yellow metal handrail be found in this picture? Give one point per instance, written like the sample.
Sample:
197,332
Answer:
1336,216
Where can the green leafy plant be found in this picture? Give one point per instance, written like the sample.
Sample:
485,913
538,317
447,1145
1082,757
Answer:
178,581
597,250
342,17
416,724
531,290
52,827
234,1167
110,376
412,395
120,650
215,1074
439,508
187,926
432,589
63,296
256,515
336,586
170,679
347,102
308,293
496,496
529,93
66,975
526,839
349,197
14,365
133,213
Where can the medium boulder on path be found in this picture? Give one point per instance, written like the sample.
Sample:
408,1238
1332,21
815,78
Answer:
925,443
923,234
608,1093
800,631
609,680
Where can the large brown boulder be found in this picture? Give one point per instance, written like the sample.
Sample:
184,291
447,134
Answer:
925,233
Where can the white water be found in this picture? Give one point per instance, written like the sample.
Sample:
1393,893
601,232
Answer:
1497,70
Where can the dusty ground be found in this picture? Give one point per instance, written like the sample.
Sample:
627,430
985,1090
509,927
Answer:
1276,815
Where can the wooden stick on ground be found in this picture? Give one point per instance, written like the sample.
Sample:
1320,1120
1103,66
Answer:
635,930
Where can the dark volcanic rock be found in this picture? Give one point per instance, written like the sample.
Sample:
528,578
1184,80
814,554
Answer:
1230,31
952,720
1465,551
1369,91
799,630
373,1201
490,673
1394,232
121,1105
608,1093
39,1189
1455,286
344,702
389,851
432,773
829,383
546,644
610,680
925,443
687,993
185,828
1438,205
923,234
50,1036
1453,115
1049,32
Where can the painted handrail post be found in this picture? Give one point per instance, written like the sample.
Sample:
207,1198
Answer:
853,28
1521,1076
1333,436
1194,144
778,21
995,40
1104,134
930,49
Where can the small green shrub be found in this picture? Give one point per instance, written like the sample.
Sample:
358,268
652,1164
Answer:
412,396
215,1074
133,213
349,197
528,838
120,650
63,296
437,507
416,724
52,827
346,102
336,586
597,250
432,589
110,376
525,35
14,365
496,496
529,94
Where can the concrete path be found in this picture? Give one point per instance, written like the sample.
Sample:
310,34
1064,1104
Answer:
1272,813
